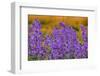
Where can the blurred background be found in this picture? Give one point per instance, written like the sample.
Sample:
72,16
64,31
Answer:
49,22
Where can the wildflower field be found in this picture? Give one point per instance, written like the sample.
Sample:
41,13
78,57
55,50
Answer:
57,37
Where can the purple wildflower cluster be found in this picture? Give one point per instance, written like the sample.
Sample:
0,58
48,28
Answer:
61,44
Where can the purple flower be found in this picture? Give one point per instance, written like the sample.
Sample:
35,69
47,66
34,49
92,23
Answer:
62,44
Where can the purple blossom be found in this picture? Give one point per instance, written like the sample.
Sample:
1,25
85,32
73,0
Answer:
62,44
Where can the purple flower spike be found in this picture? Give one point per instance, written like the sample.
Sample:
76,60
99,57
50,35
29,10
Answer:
62,24
61,44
